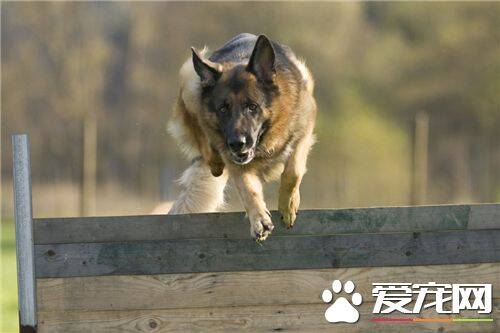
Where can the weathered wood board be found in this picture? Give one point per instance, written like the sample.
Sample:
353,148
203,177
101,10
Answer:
271,318
265,301
299,252
239,288
234,225
202,273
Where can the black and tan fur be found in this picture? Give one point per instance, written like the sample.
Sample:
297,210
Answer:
247,113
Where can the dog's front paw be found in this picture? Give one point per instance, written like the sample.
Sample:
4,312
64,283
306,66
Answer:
260,225
288,206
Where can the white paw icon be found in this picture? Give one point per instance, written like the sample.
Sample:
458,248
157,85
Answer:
342,311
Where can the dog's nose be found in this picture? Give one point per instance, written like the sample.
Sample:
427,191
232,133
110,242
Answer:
237,143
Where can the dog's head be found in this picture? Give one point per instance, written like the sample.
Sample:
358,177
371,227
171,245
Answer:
237,99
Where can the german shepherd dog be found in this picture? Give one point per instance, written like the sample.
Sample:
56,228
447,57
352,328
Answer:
246,112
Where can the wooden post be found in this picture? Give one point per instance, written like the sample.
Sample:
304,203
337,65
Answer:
88,196
24,234
420,158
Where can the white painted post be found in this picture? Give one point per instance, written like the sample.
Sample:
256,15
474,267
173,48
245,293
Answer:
24,234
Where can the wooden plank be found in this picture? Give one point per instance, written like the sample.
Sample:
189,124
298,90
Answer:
484,216
23,214
239,288
235,226
276,318
300,252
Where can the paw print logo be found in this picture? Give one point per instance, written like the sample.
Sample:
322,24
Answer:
342,310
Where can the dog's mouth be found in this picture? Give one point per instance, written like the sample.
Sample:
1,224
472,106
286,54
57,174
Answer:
243,158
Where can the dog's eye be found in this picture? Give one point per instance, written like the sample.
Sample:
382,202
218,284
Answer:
223,108
252,106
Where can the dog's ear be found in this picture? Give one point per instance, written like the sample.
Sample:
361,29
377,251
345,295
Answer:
209,72
261,62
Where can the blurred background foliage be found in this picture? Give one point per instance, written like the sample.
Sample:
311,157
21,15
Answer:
97,80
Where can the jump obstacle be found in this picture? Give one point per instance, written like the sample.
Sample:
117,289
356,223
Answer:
203,273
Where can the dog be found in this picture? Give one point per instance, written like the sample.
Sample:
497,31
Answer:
246,113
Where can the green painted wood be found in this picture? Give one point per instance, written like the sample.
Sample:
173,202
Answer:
486,216
235,226
297,252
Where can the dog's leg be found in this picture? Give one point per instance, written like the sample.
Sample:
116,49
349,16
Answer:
295,168
202,192
249,187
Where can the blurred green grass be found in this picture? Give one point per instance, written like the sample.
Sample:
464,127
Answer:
8,280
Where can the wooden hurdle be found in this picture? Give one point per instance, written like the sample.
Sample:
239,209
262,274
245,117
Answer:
203,273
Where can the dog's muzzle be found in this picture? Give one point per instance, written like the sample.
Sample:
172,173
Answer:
239,149
243,157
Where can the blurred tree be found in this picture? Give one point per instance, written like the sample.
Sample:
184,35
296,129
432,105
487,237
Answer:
110,70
